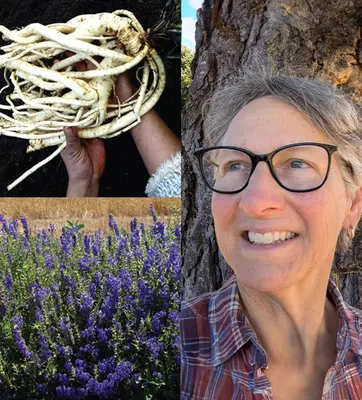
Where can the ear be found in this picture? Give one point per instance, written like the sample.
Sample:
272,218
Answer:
355,211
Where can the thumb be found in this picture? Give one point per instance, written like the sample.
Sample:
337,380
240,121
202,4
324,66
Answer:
72,140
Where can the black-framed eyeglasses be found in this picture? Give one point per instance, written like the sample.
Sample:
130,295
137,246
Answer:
297,167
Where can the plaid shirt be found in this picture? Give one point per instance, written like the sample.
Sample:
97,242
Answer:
222,360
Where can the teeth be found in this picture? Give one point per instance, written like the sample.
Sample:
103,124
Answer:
270,237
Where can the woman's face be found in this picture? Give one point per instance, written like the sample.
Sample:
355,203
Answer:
263,206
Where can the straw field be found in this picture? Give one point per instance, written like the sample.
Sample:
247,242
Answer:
92,212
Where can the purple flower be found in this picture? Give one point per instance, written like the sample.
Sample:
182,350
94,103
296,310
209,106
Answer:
84,263
69,281
42,388
145,292
20,342
123,370
177,232
25,226
97,279
66,241
51,229
68,367
88,333
66,392
111,260
17,321
156,323
122,247
93,290
113,225
86,303
38,314
63,379
81,376
64,325
135,234
106,366
109,241
88,349
5,227
40,293
96,245
154,347
125,278
160,230
80,364
174,316
8,282
103,335
109,305
164,294
154,217
13,228
44,347
86,242
49,262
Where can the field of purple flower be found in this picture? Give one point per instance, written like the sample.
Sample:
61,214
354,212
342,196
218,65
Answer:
89,316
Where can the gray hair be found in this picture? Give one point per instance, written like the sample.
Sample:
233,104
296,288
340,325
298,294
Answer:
326,107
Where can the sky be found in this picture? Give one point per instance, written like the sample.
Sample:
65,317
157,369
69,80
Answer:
188,10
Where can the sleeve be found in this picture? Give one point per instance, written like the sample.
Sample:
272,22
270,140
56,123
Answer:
166,181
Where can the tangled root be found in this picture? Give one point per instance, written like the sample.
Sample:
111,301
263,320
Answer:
49,96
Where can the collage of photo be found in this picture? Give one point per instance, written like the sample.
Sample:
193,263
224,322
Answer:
180,200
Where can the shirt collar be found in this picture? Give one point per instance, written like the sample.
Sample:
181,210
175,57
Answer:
349,335
230,330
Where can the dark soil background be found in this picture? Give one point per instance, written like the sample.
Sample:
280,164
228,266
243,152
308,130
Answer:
125,174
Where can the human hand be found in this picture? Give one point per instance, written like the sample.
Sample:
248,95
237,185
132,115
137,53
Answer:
85,161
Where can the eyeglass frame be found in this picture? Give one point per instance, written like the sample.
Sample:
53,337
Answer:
256,158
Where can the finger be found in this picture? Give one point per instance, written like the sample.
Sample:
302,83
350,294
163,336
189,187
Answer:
72,139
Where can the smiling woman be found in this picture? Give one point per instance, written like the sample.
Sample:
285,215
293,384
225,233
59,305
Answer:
284,163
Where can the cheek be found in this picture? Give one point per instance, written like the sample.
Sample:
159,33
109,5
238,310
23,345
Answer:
224,209
322,213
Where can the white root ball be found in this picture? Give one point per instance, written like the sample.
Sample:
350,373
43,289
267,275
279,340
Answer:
48,96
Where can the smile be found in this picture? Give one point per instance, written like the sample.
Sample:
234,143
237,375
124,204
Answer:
268,238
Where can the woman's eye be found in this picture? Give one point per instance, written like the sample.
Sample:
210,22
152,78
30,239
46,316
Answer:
298,164
234,166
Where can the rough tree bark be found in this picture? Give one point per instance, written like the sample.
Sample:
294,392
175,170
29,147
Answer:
309,38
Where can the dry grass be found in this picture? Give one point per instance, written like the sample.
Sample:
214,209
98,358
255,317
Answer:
92,212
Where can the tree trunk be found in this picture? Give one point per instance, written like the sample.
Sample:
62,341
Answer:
313,39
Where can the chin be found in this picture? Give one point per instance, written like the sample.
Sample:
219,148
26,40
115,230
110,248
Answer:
266,277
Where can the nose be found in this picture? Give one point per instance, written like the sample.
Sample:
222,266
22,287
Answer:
262,194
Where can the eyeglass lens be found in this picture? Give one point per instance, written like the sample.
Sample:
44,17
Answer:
297,168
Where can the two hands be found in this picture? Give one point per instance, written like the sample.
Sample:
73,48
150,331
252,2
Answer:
85,159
